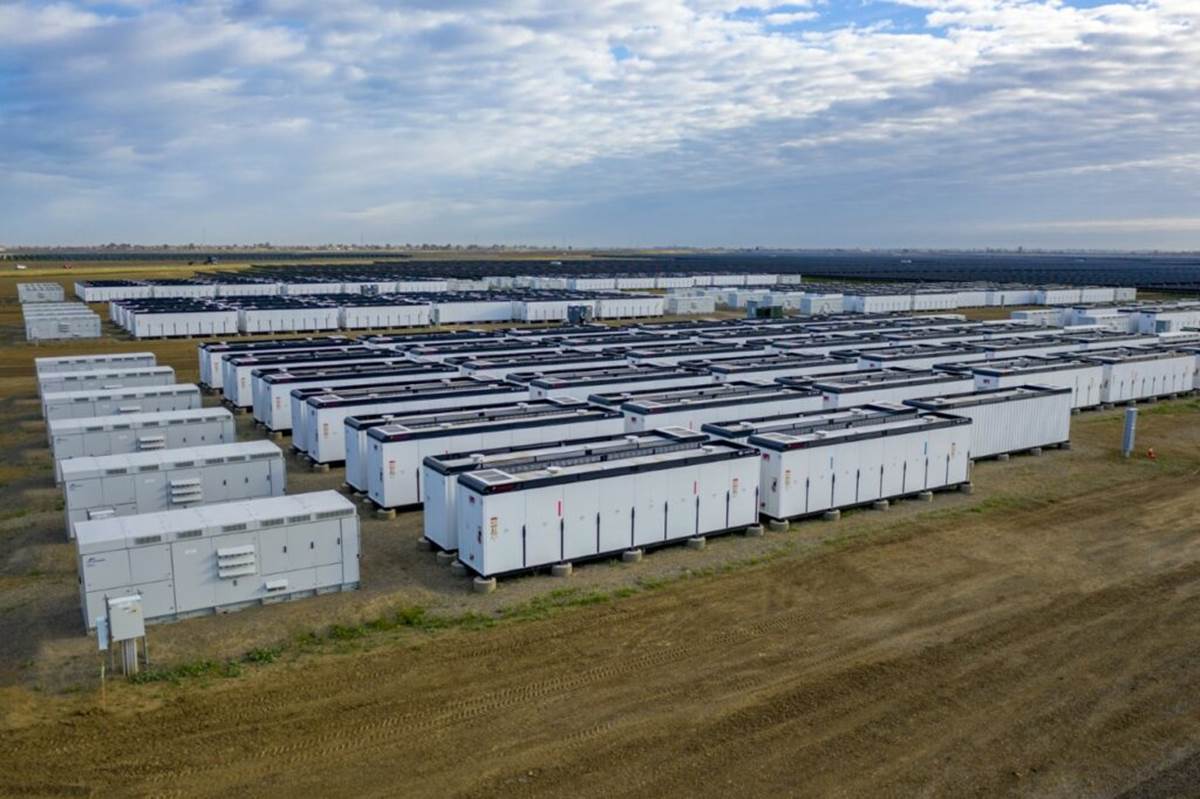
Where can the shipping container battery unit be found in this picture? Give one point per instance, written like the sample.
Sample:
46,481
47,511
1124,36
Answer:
797,423
1018,347
767,368
273,391
352,396
98,379
1008,419
690,410
502,368
439,474
1105,340
518,518
432,374
280,315
129,484
329,427
238,370
396,450
830,343
1083,378
110,402
918,357
469,350
822,470
402,342
93,363
40,292
584,383
891,385
138,432
210,353
180,318
632,339
457,309
1134,374
672,354
384,311
558,332
628,306
219,558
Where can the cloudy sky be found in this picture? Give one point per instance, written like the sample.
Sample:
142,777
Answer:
817,123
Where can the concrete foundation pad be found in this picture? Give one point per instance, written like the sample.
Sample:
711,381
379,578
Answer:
385,513
1064,445
1107,406
458,569
697,543
925,496
831,515
967,488
779,525
1035,451
424,544
881,504
631,556
1075,411
445,557
561,570
483,585
754,530
1003,456
320,467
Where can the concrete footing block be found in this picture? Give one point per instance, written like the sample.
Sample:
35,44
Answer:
1106,406
779,525
483,585
925,496
277,437
1064,445
320,467
385,513
698,542
881,504
458,569
424,544
561,570
1075,411
1003,456
445,558
831,515
1035,451
967,488
631,556
754,530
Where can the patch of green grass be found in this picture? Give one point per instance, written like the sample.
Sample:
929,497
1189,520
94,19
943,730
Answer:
15,513
262,655
191,670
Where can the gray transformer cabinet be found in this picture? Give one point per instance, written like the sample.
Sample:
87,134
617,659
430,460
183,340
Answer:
145,482
40,292
220,558
138,432
90,363
106,378
110,402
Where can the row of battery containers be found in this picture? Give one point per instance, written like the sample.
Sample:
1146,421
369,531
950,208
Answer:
138,432
220,558
519,507
147,482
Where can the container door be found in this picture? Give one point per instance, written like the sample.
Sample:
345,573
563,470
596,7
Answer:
614,516
149,492
301,546
272,550
544,525
581,508
195,568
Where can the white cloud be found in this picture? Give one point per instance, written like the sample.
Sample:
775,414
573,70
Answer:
508,113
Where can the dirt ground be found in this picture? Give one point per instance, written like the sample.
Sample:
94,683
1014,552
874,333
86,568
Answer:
1040,637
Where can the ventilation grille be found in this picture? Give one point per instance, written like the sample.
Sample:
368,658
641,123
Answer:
236,562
